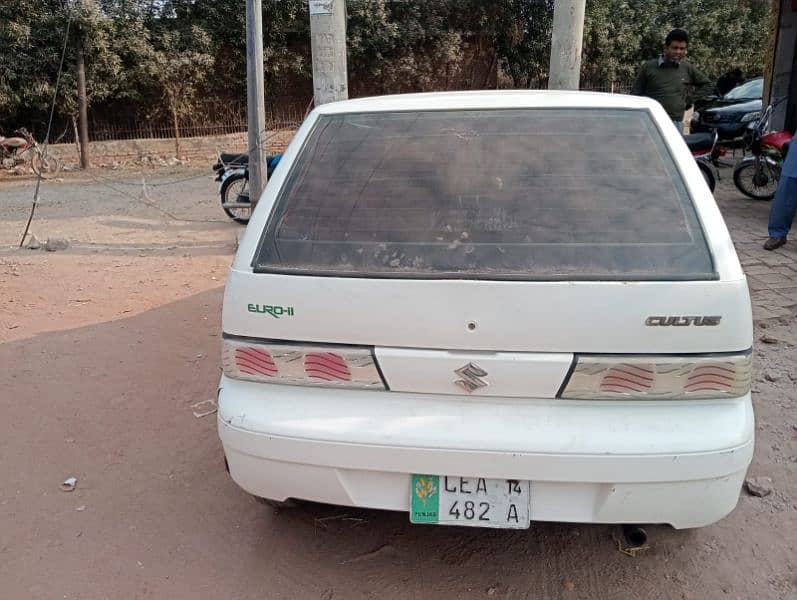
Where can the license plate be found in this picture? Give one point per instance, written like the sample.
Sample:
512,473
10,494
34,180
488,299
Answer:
470,501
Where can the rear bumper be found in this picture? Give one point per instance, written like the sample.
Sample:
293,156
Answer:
681,463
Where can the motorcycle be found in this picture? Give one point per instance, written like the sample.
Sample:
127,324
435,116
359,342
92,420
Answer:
706,152
22,148
232,173
757,175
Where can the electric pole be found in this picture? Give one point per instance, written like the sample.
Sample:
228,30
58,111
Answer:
328,47
566,41
83,113
255,100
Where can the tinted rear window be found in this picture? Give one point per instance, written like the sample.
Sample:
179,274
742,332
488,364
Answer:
486,194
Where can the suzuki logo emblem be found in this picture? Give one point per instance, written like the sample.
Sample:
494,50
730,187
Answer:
471,377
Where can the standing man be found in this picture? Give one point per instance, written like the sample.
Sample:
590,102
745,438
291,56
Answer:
784,206
667,78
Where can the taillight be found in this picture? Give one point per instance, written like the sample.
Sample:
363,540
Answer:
297,364
659,377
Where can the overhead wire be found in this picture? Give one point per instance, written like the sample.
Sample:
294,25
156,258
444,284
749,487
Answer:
145,195
47,136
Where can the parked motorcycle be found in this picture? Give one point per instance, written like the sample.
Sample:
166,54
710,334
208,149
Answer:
23,148
232,173
706,152
757,175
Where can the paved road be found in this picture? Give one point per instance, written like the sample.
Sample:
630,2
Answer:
112,211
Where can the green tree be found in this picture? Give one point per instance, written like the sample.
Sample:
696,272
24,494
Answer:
148,57
723,34
612,41
179,64
32,38
401,46
523,40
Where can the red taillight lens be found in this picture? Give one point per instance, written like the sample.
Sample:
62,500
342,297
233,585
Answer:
297,364
254,361
659,377
326,366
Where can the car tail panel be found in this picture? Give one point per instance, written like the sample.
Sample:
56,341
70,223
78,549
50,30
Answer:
494,316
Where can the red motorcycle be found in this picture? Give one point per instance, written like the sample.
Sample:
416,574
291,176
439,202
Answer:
23,148
757,175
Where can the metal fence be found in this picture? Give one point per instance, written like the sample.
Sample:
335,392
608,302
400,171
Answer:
106,131
232,119
228,119
620,86
610,87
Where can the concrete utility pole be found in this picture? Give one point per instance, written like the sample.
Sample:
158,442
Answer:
328,46
83,113
566,41
255,100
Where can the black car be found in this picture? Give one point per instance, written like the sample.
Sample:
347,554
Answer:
731,114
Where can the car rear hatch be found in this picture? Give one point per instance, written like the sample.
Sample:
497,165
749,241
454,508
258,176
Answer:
478,252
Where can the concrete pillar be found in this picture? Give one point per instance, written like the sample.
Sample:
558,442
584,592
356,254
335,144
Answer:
328,46
566,41
255,100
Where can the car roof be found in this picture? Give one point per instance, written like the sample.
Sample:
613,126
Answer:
487,99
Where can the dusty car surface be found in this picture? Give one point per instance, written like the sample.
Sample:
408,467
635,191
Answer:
487,309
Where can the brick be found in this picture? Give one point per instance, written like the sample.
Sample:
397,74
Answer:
756,285
758,269
749,261
778,303
761,314
775,260
770,278
788,292
786,301
770,298
774,310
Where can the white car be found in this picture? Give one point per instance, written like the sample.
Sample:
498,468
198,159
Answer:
490,308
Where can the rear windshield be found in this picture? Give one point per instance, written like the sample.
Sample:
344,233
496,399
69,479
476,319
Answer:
530,194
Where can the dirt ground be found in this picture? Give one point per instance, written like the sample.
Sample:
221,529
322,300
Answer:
105,346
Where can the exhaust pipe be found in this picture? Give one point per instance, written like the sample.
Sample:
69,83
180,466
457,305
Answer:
635,536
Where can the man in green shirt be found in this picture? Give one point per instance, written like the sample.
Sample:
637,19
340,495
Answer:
668,77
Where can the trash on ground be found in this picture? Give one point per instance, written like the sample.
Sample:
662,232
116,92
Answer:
204,408
630,550
33,243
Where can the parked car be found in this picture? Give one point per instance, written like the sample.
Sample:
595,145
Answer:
486,309
731,114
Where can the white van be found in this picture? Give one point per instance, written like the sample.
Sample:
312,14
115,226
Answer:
490,308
